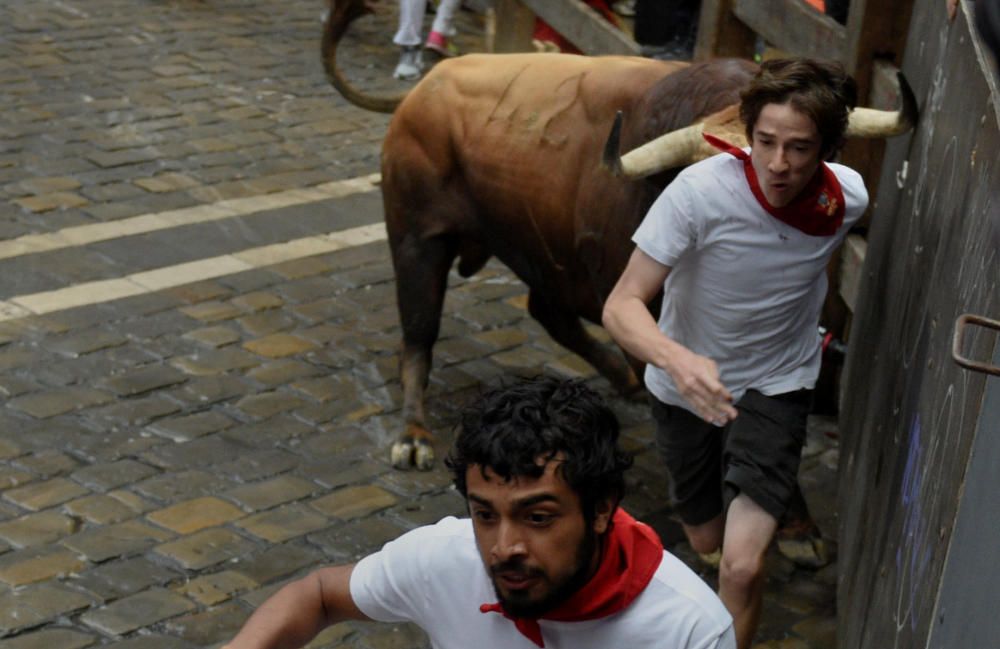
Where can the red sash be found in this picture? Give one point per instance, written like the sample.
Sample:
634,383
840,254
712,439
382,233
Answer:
632,553
818,210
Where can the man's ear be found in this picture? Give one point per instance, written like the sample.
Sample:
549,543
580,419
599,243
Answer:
603,511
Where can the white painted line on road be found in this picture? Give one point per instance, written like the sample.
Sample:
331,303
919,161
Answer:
81,235
171,276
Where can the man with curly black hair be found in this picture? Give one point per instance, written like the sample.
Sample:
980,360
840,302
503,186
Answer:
547,558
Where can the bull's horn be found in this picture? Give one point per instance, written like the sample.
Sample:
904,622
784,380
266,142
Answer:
867,122
674,149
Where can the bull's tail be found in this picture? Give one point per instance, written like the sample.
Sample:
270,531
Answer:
342,13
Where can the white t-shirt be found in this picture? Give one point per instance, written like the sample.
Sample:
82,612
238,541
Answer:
745,289
434,576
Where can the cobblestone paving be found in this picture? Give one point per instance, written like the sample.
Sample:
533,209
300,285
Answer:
168,460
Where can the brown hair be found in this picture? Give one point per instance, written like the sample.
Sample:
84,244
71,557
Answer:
822,90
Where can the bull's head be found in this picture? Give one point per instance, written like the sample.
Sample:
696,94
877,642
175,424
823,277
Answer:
686,146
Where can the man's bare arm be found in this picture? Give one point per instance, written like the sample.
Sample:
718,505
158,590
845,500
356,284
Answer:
298,612
626,317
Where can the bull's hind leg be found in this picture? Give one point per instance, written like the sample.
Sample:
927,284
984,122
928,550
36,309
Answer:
421,279
562,323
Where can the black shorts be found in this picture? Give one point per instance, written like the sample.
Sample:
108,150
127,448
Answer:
757,454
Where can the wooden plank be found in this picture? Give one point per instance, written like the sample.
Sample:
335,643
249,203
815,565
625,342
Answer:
583,27
884,93
851,261
911,414
876,29
721,33
966,609
795,27
514,27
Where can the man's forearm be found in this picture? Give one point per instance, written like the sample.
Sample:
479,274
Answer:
630,324
696,377
287,620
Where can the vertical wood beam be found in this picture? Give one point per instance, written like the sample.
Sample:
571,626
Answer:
876,30
515,25
720,32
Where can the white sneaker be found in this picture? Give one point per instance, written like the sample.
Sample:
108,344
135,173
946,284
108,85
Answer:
410,65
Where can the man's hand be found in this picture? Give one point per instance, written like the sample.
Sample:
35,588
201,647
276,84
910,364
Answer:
697,379
627,319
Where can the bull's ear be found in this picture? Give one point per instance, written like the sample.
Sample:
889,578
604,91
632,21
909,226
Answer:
611,158
868,122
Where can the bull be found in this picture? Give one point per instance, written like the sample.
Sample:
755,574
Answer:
509,156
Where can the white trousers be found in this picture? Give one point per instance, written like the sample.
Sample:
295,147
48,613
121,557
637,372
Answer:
411,17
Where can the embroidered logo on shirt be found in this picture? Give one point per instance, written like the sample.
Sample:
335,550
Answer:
829,204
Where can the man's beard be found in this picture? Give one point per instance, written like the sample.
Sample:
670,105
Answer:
518,605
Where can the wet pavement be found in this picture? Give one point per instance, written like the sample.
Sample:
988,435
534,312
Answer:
198,337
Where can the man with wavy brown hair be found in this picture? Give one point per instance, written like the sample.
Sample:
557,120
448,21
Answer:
739,244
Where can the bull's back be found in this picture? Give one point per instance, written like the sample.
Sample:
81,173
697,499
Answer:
519,131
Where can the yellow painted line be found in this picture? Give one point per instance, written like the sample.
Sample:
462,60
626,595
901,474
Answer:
82,235
179,274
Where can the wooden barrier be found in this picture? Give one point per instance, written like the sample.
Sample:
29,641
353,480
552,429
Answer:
577,22
920,445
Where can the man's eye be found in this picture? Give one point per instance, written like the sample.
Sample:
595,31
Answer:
483,515
540,518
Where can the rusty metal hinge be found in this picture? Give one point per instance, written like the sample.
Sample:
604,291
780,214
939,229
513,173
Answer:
956,348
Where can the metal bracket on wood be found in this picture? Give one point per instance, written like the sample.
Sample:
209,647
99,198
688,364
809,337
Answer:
956,349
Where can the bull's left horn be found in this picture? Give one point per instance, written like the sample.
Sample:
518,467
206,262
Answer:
868,122
670,150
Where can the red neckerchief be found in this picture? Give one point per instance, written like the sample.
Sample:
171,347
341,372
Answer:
818,210
632,553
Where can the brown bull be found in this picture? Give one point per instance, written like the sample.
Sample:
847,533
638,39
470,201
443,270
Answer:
500,155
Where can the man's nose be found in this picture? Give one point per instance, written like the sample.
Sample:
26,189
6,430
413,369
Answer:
778,163
509,542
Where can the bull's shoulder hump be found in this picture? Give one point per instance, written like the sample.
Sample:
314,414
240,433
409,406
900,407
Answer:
552,64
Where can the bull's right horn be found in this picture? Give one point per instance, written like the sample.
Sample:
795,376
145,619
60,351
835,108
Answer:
868,122
671,150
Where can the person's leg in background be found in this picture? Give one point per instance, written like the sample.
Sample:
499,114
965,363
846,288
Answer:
443,29
411,17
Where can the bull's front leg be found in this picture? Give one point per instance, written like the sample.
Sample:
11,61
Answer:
421,267
413,448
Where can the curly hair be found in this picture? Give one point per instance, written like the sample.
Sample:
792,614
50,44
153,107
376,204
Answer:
822,90
511,429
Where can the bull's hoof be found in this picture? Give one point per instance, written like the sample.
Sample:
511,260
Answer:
423,456
410,454
402,454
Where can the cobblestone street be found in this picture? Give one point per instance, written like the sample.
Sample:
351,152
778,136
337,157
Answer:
198,332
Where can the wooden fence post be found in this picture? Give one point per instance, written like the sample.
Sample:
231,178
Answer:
721,33
515,24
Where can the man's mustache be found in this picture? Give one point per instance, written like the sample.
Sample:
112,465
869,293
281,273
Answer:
514,568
